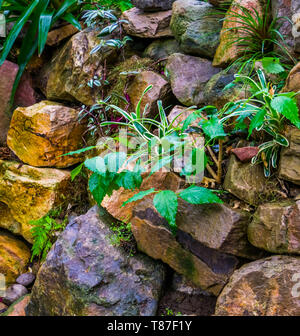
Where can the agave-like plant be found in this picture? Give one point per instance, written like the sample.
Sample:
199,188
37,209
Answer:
40,15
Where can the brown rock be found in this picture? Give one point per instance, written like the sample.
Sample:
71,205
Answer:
276,227
67,75
180,113
147,25
30,193
293,82
247,182
228,51
245,154
266,287
8,72
161,91
188,75
56,36
41,133
207,268
18,308
14,256
289,164
25,94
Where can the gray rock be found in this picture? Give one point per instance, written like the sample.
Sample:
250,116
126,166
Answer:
84,274
196,27
13,293
153,5
188,76
161,49
26,279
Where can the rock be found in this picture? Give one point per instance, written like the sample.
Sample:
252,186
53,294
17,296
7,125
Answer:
7,220
67,75
8,72
153,5
84,274
218,227
161,90
3,308
266,287
18,308
30,193
247,182
41,133
14,256
219,3
26,279
206,268
276,227
13,293
147,25
196,27
295,12
188,75
289,164
216,93
293,82
161,49
181,113
228,51
245,154
25,94
159,181
58,35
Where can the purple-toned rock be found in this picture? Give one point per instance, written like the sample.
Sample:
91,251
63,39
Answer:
245,154
13,293
26,279
153,5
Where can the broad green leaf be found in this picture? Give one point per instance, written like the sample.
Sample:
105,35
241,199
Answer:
63,8
213,128
98,187
199,195
257,120
166,204
287,107
76,171
272,65
44,27
72,20
129,180
96,165
139,196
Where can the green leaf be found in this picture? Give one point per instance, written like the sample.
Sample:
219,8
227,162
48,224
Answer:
287,107
114,161
63,8
166,204
72,20
272,65
44,27
139,196
257,120
213,128
96,165
199,195
79,151
129,180
76,171
98,187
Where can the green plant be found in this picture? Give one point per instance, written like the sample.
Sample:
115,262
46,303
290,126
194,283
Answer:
155,151
259,33
169,312
45,232
40,15
267,111
122,236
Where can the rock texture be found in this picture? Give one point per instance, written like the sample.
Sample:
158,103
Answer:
266,287
228,51
66,76
161,49
18,308
196,27
41,133
153,5
207,268
289,164
147,25
293,82
8,72
188,75
58,35
247,182
30,193
161,90
14,256
84,274
276,227
14,293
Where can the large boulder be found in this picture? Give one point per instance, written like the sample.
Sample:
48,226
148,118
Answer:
228,50
14,257
161,49
289,164
41,133
196,27
84,274
147,25
293,82
276,227
30,193
295,13
188,75
67,75
266,287
8,72
153,5
247,182
161,90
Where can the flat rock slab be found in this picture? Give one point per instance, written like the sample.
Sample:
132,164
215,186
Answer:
84,274
153,5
